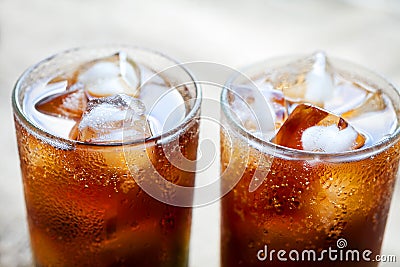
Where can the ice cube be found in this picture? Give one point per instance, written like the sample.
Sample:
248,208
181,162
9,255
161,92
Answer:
252,107
319,81
314,129
375,116
67,77
165,106
307,80
109,76
278,103
346,96
373,102
148,76
330,139
377,125
68,104
118,118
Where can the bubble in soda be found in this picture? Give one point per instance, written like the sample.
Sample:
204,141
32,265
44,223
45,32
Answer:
115,118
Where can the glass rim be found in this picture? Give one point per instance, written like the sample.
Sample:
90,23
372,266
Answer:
175,131
291,153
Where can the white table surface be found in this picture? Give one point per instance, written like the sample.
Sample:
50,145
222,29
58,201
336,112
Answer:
234,33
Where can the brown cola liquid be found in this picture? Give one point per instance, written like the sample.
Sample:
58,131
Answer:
305,206
84,204
85,209
306,201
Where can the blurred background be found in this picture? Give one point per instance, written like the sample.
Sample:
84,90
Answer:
234,33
